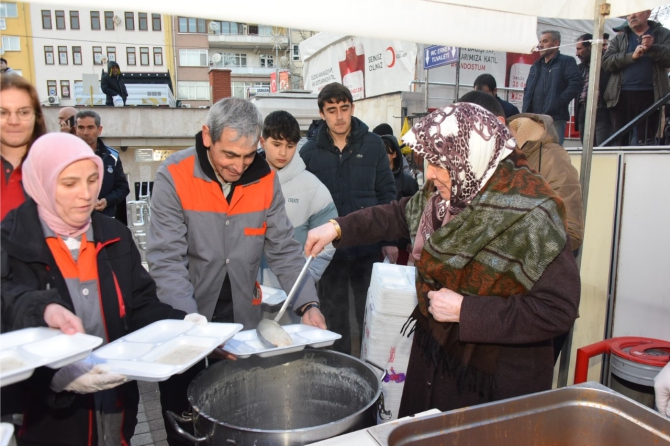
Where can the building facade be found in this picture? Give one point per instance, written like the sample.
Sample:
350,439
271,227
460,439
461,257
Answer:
68,43
17,46
253,53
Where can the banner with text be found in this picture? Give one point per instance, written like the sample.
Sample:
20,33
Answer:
368,67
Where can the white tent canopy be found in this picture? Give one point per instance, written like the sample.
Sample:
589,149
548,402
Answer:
500,25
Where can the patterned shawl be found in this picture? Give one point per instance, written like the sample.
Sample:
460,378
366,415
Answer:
499,242
467,141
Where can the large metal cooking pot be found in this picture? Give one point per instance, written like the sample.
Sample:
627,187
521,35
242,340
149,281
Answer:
291,399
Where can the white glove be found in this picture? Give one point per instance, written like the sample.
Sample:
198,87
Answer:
662,389
197,319
85,378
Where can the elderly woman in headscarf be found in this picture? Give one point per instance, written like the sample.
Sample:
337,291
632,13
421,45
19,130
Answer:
495,277
57,255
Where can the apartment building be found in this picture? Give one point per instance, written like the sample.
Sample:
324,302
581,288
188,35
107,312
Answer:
16,46
252,52
68,43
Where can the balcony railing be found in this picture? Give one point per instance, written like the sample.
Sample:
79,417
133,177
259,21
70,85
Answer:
245,70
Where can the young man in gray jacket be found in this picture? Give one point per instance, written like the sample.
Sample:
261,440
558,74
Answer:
308,202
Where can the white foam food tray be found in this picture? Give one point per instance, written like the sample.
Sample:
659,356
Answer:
22,351
272,296
6,434
246,343
162,349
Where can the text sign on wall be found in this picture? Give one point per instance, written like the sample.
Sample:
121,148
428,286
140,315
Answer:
436,56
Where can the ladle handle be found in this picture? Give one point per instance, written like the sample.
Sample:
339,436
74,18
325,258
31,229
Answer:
294,290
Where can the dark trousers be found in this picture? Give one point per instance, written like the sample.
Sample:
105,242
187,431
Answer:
603,128
173,390
630,105
334,294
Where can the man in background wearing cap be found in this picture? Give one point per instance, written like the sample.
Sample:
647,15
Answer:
637,57
603,128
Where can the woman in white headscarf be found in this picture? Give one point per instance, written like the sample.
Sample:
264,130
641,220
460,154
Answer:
57,253
495,276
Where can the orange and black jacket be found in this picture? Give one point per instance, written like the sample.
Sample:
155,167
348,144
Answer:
31,280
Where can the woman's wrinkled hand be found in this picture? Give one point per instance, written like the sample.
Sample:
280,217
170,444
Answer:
445,305
318,238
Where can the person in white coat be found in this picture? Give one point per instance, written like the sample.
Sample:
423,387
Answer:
308,202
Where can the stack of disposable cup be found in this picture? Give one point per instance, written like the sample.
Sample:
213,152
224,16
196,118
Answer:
391,299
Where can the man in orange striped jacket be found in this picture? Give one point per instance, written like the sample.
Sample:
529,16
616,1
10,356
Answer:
216,207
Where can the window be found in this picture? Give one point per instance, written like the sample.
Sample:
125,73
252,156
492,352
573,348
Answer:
193,90
130,56
95,20
9,10
193,58
46,19
65,89
156,22
142,21
52,88
97,55
76,55
11,43
74,19
109,20
264,30
234,60
111,54
295,54
252,30
49,55
62,55
267,61
230,28
144,55
60,19
130,21
158,56
192,25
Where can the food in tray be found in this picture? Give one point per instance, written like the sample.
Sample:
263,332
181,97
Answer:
9,363
181,355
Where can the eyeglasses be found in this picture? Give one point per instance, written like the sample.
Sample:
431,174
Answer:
24,114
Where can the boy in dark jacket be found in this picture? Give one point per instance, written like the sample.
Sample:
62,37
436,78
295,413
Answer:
352,163
112,84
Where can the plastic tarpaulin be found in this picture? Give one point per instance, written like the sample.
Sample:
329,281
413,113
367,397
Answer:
499,25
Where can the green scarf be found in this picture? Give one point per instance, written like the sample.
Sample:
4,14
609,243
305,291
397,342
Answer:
499,245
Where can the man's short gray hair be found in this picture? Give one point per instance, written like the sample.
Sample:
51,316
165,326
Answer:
235,114
88,114
555,35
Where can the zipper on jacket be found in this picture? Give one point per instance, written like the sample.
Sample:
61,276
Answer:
122,305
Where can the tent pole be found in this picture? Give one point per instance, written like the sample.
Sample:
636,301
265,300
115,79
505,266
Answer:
602,10
425,89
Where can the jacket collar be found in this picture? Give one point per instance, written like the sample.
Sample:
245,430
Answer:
294,168
23,237
101,149
257,170
358,130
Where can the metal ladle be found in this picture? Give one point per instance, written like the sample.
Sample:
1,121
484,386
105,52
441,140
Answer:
269,332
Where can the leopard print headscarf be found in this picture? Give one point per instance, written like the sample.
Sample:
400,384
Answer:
469,142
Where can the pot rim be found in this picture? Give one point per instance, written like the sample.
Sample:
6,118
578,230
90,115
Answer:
373,401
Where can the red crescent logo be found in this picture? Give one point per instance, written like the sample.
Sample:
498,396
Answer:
392,55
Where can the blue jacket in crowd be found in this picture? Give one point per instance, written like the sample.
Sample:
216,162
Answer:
114,183
564,84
